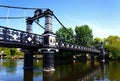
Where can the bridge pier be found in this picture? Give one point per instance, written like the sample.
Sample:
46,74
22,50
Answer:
102,55
28,59
48,59
92,57
107,56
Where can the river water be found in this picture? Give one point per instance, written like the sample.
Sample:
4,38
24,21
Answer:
12,70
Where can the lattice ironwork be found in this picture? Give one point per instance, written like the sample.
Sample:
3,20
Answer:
72,47
8,35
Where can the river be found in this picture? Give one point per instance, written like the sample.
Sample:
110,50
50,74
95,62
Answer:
12,70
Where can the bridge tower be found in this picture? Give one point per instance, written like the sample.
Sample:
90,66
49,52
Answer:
49,41
28,53
102,55
29,25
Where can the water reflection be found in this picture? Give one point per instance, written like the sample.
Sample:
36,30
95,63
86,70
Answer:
64,72
74,71
78,71
11,69
10,66
28,75
48,76
103,73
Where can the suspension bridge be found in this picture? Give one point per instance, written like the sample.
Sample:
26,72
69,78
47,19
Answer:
32,43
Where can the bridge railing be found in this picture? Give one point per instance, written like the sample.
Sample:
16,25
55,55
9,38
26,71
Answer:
13,37
16,38
74,47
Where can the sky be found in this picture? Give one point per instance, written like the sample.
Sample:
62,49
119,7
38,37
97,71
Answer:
102,16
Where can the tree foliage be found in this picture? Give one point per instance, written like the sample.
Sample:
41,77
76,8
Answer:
112,44
83,35
11,52
64,35
97,42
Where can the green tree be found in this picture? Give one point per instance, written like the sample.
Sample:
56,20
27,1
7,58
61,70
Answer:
112,44
64,35
97,42
11,52
6,51
83,35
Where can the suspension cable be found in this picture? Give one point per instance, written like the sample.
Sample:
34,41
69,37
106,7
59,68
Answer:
21,7
7,20
26,17
61,24
39,24
12,17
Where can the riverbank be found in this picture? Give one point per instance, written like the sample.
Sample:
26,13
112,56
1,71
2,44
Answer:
22,57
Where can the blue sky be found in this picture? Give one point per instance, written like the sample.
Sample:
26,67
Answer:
103,16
